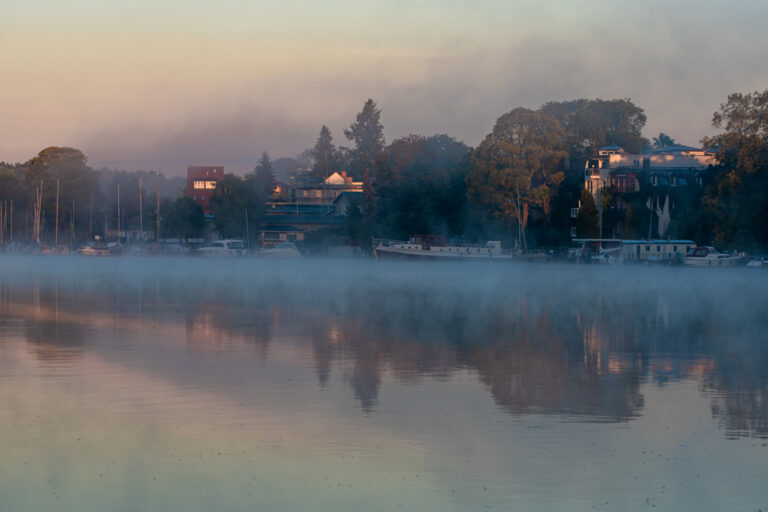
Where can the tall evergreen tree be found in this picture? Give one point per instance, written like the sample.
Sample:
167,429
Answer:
324,154
368,135
264,176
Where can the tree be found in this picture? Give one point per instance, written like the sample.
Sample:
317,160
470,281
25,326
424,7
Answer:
181,218
76,182
662,140
324,154
586,220
420,186
264,178
737,198
515,167
229,202
368,135
590,124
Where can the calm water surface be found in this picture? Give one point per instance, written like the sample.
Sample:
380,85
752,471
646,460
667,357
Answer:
163,384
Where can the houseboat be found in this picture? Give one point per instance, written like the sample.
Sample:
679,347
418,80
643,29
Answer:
656,251
437,248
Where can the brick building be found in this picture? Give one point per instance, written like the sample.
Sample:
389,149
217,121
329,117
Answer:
201,182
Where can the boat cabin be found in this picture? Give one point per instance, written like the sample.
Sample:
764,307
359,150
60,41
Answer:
656,250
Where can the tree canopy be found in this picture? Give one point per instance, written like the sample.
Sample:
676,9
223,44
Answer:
590,124
368,135
737,198
516,167
324,154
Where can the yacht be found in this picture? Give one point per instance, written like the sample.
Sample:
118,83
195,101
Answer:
282,250
223,248
707,256
100,248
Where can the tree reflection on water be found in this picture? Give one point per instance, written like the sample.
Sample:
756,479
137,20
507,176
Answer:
570,341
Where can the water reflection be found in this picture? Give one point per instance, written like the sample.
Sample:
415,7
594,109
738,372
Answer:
573,342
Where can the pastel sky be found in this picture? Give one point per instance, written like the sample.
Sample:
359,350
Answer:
161,84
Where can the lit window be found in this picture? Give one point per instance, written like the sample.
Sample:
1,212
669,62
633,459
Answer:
204,184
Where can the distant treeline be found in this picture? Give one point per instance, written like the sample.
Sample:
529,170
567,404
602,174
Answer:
519,185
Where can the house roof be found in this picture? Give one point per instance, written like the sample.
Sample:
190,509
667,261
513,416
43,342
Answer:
349,195
674,148
273,220
293,208
278,227
676,242
656,170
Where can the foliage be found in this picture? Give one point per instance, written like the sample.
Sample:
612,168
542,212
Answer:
263,177
586,220
420,187
368,135
181,218
662,140
324,154
77,183
229,202
737,198
516,167
590,124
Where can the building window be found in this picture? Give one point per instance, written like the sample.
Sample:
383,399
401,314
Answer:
573,232
574,213
647,248
292,237
203,185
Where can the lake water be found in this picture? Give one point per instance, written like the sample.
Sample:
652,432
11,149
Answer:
333,385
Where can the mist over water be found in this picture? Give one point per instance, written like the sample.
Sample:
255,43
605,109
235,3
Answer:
192,384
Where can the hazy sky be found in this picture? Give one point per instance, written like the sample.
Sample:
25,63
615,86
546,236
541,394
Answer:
160,84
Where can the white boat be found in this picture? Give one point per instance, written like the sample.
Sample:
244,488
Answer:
435,248
100,248
707,256
282,250
223,248
758,262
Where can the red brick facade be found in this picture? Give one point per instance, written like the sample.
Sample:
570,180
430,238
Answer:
201,182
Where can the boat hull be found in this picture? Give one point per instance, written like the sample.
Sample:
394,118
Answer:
435,254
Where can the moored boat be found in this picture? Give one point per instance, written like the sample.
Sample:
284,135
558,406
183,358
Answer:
707,256
436,248
100,248
223,248
281,250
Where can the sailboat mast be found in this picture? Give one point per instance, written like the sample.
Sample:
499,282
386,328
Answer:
56,232
157,197
141,211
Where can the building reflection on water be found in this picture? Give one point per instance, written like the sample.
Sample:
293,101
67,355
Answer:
536,348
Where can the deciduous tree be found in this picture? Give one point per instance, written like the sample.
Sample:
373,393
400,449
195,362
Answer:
516,166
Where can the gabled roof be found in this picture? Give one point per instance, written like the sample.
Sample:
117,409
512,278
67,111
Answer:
349,195
674,148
